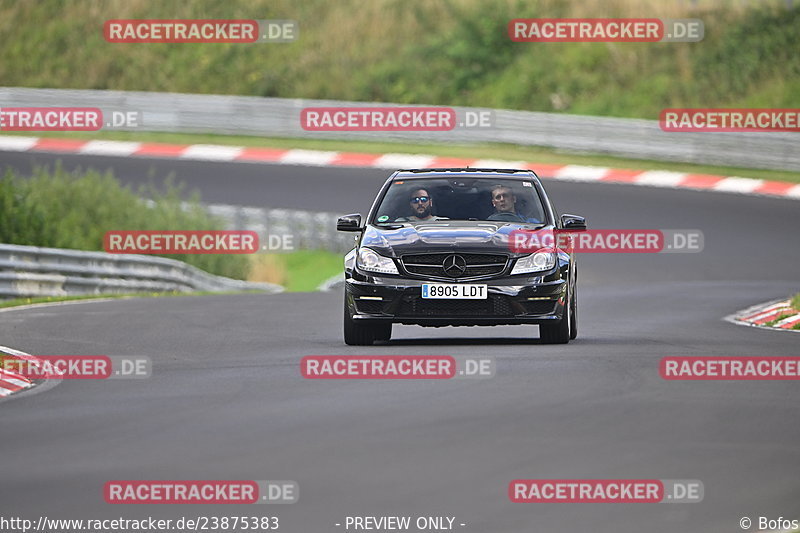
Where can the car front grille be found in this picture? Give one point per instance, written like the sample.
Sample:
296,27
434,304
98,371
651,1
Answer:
370,307
495,305
476,265
541,307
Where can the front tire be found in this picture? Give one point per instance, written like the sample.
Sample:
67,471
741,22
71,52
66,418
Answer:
574,316
383,332
359,333
561,332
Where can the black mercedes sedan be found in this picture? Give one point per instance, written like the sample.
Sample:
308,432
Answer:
451,247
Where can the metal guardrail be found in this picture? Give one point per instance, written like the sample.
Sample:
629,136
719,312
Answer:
27,271
280,117
30,271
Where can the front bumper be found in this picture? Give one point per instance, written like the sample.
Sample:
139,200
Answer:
511,300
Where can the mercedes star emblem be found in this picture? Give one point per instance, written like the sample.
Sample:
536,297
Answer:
454,265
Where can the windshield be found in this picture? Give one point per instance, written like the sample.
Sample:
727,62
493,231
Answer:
438,199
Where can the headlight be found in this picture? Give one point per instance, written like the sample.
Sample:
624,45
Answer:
538,262
371,261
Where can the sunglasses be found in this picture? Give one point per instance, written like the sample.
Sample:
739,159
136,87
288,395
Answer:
418,199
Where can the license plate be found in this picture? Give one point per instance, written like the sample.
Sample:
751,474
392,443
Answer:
454,291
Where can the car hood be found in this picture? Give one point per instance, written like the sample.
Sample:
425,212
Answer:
451,236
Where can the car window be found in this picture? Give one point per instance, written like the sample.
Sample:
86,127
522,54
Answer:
460,199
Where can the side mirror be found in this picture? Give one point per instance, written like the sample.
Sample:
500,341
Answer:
573,223
349,223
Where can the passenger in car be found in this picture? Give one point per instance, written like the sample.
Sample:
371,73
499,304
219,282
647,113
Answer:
505,204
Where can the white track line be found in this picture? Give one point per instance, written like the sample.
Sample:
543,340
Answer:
17,144
403,161
660,178
736,184
211,152
308,157
581,173
119,148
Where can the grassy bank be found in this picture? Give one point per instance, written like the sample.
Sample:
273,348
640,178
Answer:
60,209
300,271
416,51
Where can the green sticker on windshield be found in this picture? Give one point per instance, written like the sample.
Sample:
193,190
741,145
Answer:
383,218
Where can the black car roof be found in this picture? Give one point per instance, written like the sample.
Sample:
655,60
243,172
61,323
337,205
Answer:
448,172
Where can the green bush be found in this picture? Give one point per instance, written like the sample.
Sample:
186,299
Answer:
450,52
60,209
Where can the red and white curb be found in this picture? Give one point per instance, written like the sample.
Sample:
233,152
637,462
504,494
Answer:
11,382
220,153
759,315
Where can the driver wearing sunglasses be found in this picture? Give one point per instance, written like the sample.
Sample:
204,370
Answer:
421,205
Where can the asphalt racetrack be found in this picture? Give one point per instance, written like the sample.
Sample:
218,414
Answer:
227,401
